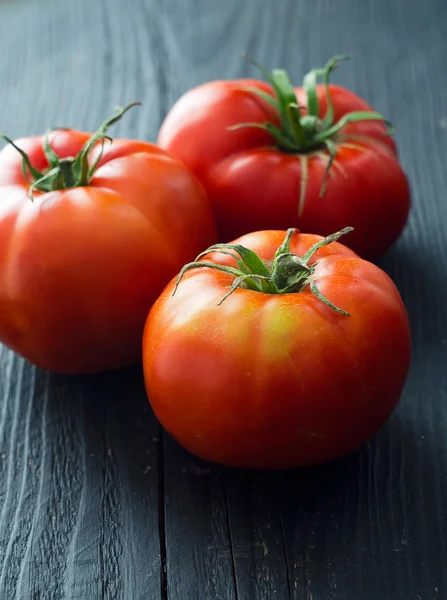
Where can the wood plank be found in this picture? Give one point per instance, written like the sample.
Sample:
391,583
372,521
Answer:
79,486
79,501
199,553
94,502
258,536
370,525
203,41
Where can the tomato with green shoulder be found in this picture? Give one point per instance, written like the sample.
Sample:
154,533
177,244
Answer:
279,350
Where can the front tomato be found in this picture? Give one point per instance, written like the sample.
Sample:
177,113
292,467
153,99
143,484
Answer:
82,263
270,157
290,355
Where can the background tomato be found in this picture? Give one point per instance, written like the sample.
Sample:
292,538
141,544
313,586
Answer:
80,267
268,165
266,380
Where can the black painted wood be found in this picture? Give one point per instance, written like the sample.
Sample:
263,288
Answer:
95,501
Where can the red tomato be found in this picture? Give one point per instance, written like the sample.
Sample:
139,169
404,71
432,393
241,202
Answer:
80,267
282,377
268,165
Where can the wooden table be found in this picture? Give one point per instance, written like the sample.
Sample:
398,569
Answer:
95,500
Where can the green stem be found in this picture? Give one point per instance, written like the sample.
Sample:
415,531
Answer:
325,242
302,133
314,289
198,265
281,140
67,172
330,66
50,154
288,270
294,117
45,182
354,117
28,170
288,273
310,87
266,285
285,246
80,165
286,97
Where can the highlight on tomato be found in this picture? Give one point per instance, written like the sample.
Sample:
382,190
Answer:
278,350
272,156
91,230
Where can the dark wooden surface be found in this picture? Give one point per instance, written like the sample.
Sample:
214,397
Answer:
95,501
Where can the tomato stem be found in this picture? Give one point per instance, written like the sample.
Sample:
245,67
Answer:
298,132
68,172
288,273
301,132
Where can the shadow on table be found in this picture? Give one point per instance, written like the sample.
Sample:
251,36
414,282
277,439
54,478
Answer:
371,519
371,522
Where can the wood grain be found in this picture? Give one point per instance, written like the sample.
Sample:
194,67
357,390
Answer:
95,501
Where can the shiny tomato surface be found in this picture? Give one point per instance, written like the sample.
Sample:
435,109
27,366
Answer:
277,381
254,185
81,267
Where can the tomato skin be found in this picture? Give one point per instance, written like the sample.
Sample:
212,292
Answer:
254,186
81,267
277,381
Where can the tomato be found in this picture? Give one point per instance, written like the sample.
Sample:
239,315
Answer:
297,364
81,264
268,164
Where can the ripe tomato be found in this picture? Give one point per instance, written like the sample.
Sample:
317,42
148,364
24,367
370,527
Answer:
271,157
269,370
82,263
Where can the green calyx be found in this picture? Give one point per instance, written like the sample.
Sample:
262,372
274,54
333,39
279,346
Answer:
64,173
300,132
286,274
